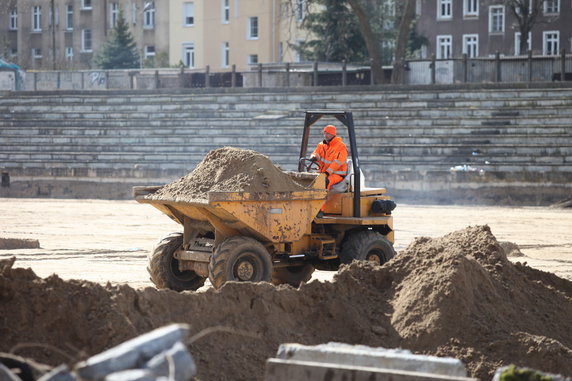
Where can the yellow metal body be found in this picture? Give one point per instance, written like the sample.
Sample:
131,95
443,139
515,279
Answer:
282,219
273,217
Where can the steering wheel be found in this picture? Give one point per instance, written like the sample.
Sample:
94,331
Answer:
310,165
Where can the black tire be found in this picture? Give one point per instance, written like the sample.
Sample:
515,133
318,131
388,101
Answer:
292,275
367,245
164,268
241,259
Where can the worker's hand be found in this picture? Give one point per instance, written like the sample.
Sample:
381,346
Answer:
313,159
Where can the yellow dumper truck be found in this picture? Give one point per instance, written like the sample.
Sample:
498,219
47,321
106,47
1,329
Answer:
277,237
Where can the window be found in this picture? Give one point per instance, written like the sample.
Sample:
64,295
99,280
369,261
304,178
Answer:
551,6
36,18
189,55
36,53
86,41
517,51
252,28
52,16
471,8
300,10
225,54
444,47
149,16
525,7
189,14
113,14
496,19
225,14
550,43
69,53
445,9
85,4
253,59
13,19
471,45
149,51
69,17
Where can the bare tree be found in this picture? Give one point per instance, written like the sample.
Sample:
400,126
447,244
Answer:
367,12
407,16
526,13
370,40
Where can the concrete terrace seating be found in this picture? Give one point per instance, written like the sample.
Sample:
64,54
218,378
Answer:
408,138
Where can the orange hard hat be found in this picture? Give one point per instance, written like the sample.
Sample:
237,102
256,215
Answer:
330,129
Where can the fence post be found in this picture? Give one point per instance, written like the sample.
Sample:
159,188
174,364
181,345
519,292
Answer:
529,65
287,74
433,68
182,77
497,67
315,73
233,76
344,73
107,80
562,64
465,68
207,76
259,75
36,81
371,75
156,79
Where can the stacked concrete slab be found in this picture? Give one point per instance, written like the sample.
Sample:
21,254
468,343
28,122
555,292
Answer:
476,144
338,361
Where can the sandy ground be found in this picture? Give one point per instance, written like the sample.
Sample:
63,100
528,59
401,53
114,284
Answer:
108,241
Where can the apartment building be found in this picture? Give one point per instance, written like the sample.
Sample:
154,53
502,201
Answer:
243,33
195,33
482,28
67,34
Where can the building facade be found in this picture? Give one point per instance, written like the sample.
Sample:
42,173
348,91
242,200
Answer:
482,28
243,33
67,34
189,33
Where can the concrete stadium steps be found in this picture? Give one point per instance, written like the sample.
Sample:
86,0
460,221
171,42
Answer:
143,135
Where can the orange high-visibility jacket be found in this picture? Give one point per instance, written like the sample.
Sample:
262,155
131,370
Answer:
332,158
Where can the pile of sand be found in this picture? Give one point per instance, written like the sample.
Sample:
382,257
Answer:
228,169
457,295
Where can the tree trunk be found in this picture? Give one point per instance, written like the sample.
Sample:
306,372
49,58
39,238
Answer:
370,41
402,39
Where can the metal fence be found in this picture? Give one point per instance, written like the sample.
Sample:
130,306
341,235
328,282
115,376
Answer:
494,69
416,72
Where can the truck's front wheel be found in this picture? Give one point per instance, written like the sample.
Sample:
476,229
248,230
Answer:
164,267
241,259
367,245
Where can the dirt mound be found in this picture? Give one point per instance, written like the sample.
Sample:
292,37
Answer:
456,296
228,169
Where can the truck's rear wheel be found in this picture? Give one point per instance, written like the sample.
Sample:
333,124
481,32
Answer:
367,245
292,275
241,259
164,267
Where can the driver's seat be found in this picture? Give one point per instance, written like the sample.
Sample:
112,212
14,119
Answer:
347,184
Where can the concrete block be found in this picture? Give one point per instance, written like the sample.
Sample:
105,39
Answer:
364,356
177,364
287,370
132,352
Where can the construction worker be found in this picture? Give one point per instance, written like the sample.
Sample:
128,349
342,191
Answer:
331,155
